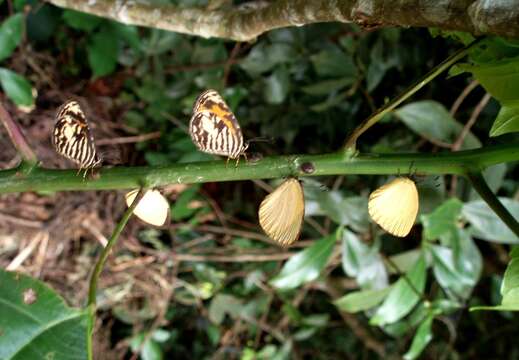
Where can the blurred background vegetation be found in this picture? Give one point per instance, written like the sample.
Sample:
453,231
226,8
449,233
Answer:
211,285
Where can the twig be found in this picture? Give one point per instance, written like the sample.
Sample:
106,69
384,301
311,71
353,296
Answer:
25,253
459,100
390,106
21,221
237,258
459,141
475,114
129,139
17,137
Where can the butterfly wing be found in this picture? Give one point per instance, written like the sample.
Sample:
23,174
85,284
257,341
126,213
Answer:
394,206
72,137
281,212
152,209
214,128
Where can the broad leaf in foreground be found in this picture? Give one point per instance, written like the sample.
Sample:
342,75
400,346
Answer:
35,322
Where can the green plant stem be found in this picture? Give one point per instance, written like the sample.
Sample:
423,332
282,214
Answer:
390,106
92,289
480,185
458,163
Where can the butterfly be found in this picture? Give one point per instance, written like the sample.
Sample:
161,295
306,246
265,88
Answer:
281,212
394,206
153,208
72,137
214,128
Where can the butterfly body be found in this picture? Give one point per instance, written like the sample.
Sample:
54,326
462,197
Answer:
281,213
394,206
213,127
72,137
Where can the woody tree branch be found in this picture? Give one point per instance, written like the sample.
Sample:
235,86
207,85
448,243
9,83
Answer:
246,22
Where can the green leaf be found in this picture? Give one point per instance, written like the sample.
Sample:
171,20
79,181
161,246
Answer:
334,62
306,265
487,225
326,87
277,86
351,211
507,120
362,262
223,304
442,220
432,121
81,21
362,300
457,272
103,49
36,323
402,298
509,287
422,337
10,35
263,58
149,350
499,78
17,88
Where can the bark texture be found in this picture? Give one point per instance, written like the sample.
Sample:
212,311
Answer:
247,21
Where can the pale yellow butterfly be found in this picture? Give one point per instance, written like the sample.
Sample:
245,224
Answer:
281,212
152,209
394,206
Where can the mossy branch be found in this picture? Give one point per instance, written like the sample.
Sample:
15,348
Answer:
246,22
458,163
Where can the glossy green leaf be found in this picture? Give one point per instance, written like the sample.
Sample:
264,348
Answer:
402,298
486,225
362,262
507,120
326,87
36,323
334,62
509,287
404,260
81,21
263,58
432,121
17,88
422,337
306,265
223,304
351,211
11,32
277,86
499,78
442,220
103,49
457,271
362,300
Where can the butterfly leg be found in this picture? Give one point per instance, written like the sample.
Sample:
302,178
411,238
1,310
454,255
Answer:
227,162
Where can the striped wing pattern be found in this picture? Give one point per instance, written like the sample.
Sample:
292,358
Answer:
281,213
72,137
214,128
394,206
